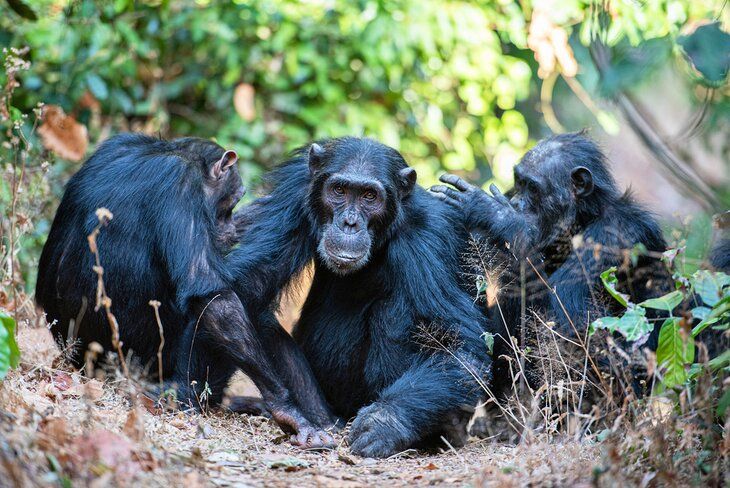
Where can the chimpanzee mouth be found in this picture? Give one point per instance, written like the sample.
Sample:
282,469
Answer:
340,261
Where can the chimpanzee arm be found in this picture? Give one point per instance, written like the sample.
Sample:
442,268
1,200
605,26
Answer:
225,331
492,215
276,238
443,342
276,243
417,404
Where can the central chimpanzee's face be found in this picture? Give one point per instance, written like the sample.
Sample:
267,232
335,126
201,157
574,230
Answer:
358,186
352,202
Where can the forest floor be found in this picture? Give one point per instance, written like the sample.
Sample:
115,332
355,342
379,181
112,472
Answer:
60,428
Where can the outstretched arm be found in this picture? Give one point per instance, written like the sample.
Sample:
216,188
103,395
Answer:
490,214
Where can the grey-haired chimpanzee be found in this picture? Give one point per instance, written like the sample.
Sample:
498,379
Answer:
172,227
566,222
392,338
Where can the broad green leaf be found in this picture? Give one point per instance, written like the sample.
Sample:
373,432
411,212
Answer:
610,281
9,352
675,352
708,49
701,312
719,362
633,324
710,286
668,302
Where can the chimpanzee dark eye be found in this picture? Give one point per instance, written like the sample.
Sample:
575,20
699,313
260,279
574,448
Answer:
338,189
369,195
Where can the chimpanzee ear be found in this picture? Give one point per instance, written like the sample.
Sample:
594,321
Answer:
582,181
222,166
316,157
407,177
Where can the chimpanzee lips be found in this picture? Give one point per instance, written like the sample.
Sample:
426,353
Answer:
344,255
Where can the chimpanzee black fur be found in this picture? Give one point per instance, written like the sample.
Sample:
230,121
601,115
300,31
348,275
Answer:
566,223
172,227
392,338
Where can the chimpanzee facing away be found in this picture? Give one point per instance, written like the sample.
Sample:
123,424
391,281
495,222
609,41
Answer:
172,227
563,189
392,338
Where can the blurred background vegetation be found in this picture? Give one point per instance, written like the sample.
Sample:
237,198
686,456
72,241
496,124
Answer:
461,86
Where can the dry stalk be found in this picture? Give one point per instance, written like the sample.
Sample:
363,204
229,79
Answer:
156,305
102,299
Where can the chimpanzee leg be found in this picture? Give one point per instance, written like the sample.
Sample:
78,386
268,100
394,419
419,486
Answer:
294,369
224,329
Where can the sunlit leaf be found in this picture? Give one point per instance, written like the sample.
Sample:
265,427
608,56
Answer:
668,302
633,324
710,286
610,281
9,352
675,352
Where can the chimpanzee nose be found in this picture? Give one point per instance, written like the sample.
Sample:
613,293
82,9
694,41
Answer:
349,222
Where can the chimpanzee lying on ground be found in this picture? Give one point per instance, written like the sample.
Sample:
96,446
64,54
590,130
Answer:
566,223
391,337
172,226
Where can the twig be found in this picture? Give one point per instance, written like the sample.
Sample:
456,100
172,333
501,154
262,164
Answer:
102,299
156,305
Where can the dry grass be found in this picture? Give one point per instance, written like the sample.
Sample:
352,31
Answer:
58,426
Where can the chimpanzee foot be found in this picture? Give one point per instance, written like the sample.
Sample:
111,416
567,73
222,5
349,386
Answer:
304,433
377,432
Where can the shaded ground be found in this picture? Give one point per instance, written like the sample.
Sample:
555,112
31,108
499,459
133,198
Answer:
60,427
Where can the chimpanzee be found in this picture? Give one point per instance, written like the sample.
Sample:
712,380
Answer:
565,223
720,257
393,339
172,227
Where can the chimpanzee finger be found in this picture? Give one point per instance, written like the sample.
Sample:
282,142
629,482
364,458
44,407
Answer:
456,182
450,193
444,198
498,194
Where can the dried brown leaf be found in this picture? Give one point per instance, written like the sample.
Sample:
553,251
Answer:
61,134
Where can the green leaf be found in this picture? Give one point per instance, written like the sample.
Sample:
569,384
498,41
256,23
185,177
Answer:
610,281
9,352
708,49
701,312
668,302
633,324
97,86
22,9
675,352
709,285
489,341
719,362
723,403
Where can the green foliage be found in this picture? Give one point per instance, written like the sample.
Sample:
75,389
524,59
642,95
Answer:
425,77
675,354
668,302
9,352
633,324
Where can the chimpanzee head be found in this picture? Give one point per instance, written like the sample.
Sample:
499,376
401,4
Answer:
563,179
356,191
221,181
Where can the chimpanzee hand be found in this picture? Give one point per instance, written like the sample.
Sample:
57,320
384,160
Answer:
491,213
378,432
